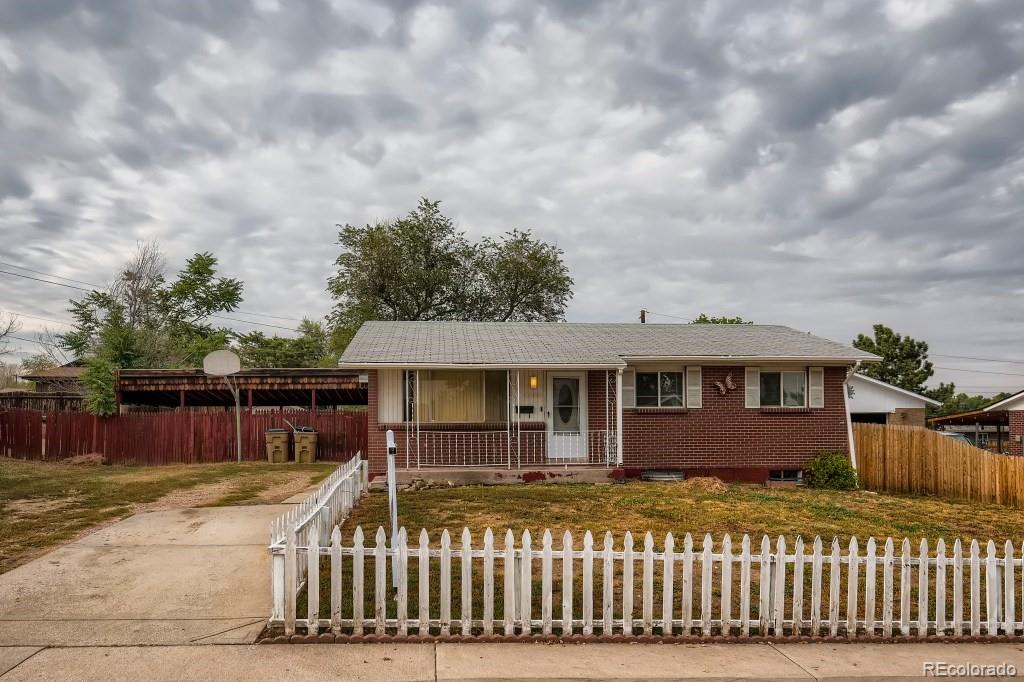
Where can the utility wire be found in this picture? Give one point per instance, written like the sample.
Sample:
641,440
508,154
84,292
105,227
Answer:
221,317
49,274
674,317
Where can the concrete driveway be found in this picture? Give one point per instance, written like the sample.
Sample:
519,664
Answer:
170,577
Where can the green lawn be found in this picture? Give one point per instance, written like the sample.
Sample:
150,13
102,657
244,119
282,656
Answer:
43,504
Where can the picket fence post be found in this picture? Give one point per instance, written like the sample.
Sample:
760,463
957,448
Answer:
726,602
567,562
446,582
336,580
798,585
424,583
402,598
607,593
627,584
668,564
357,581
380,581
488,582
526,585
545,579
467,583
922,589
816,588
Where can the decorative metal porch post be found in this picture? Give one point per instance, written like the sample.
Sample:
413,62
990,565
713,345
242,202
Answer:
618,417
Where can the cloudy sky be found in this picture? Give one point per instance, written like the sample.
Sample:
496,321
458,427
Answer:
821,165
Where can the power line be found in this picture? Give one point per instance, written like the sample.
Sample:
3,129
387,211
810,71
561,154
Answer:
221,317
96,286
968,357
674,317
22,338
36,317
979,371
49,274
45,281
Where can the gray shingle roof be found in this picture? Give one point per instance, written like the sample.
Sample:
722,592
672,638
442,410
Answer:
566,343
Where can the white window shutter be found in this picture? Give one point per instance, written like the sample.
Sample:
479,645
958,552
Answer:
694,397
816,392
629,388
752,386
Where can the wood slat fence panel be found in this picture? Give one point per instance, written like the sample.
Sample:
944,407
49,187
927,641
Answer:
908,459
736,593
156,438
21,433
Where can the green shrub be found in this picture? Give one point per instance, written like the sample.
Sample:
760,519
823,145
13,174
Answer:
831,469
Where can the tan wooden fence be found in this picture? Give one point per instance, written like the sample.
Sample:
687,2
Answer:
909,459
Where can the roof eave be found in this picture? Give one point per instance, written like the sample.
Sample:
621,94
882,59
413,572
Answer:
1005,401
821,360
897,389
478,365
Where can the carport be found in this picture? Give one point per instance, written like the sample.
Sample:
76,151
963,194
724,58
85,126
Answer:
313,388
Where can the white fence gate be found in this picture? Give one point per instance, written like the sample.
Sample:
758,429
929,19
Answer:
714,589
329,504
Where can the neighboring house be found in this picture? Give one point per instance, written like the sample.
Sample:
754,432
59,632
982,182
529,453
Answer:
1014,409
999,427
736,401
64,379
875,402
56,389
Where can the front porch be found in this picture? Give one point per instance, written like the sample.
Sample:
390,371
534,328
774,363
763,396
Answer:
550,419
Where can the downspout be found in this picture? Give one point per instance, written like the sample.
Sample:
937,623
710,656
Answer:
849,421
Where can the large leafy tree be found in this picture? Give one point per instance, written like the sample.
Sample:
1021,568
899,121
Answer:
421,267
142,320
904,359
953,402
310,349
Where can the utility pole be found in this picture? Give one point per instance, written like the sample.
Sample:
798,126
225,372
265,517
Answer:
643,316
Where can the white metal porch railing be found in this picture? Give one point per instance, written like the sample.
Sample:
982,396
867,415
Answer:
509,448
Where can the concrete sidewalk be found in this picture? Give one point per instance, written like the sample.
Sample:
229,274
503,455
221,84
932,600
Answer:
408,662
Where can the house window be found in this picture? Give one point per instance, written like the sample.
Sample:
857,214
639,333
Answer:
659,389
786,476
783,389
455,396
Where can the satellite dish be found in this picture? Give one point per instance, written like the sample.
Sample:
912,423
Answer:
221,363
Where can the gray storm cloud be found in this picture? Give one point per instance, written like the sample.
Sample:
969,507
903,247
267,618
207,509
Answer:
822,165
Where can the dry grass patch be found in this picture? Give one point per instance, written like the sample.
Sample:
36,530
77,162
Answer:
689,508
45,504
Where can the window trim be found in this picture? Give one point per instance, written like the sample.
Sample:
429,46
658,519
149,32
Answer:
782,388
659,371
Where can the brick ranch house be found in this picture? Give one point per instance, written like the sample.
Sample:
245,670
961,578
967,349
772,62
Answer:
741,402
1013,407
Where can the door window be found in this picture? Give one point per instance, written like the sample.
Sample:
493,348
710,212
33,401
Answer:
567,404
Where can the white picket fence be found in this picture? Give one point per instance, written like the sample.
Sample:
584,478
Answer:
328,505
697,591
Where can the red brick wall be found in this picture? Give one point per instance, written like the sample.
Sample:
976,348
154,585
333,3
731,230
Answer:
1016,432
723,434
723,437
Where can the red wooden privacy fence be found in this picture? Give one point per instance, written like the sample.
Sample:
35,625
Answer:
171,437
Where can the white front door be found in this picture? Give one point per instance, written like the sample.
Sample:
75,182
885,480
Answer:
567,415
